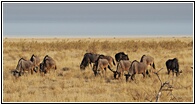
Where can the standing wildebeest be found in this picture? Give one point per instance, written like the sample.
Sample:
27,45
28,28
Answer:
149,61
88,59
100,66
47,64
122,66
36,62
121,56
136,68
24,66
172,65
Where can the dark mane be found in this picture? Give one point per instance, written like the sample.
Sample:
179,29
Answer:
31,59
85,60
141,60
21,59
100,57
133,62
46,56
44,60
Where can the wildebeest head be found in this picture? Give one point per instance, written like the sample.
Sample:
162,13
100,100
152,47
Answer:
95,69
84,63
116,74
127,76
15,73
178,73
41,66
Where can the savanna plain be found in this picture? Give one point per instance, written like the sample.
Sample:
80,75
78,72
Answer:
70,84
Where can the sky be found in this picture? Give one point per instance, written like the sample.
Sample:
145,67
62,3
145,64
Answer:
125,19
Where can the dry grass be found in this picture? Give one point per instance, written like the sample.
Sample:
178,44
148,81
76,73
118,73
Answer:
75,85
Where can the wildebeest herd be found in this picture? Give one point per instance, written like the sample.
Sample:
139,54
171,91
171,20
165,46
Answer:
146,66
34,65
99,64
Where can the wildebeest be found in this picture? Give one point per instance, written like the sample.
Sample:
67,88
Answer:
88,59
47,64
101,66
172,65
136,68
109,58
23,66
122,66
121,56
149,61
36,62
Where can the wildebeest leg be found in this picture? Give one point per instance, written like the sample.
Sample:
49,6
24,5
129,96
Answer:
168,70
105,76
91,65
143,75
120,75
31,71
45,70
173,72
127,77
110,63
115,74
103,72
176,74
20,73
95,73
132,76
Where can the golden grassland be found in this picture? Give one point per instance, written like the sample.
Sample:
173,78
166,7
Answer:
74,85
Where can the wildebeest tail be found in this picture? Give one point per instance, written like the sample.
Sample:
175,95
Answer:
114,62
153,65
110,68
55,67
141,60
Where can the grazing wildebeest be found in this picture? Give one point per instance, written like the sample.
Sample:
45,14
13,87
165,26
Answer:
149,61
88,59
36,62
172,65
122,66
47,64
121,56
24,66
101,66
136,68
